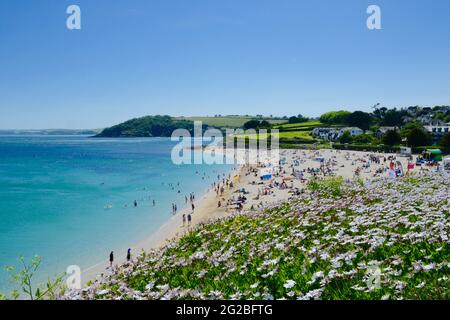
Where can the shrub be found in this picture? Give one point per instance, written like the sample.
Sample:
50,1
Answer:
331,186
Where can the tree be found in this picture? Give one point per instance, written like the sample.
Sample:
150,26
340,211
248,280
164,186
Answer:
391,138
445,142
335,117
252,124
264,124
418,137
255,124
298,119
407,128
24,278
363,139
393,118
360,119
346,137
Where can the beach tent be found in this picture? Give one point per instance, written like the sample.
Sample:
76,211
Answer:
265,174
433,155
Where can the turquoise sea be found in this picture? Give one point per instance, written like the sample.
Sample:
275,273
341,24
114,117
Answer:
70,199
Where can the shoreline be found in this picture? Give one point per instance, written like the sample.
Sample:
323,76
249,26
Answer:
205,210
342,163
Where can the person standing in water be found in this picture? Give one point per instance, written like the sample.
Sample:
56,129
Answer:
111,258
129,255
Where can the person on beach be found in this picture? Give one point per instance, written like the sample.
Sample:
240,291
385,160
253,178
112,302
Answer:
129,255
111,258
184,219
193,206
189,217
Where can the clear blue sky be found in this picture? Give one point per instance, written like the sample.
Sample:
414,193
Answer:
205,57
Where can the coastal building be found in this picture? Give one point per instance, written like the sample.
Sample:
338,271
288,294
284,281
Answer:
327,134
354,131
330,134
382,131
438,131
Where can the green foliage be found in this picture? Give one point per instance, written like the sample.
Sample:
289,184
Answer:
391,138
390,118
407,128
24,279
360,119
346,137
445,143
150,126
311,245
364,139
229,121
298,119
418,137
366,147
256,124
331,186
335,117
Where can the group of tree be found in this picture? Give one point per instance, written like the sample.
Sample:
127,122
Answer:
360,119
150,126
257,124
412,134
335,117
298,119
383,116
445,143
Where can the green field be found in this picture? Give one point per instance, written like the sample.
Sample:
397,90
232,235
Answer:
229,121
291,131
304,125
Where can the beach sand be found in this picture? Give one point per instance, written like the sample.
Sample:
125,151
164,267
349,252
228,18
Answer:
259,193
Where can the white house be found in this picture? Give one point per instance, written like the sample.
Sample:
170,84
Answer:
382,131
354,131
438,129
330,134
325,133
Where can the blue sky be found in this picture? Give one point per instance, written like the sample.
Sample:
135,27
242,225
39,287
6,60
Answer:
206,57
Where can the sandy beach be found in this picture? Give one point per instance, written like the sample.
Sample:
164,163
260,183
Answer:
245,187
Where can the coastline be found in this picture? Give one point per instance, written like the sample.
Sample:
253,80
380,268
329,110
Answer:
205,210
343,163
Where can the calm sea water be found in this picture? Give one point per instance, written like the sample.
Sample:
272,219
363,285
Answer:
70,199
